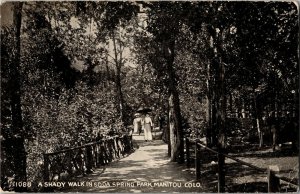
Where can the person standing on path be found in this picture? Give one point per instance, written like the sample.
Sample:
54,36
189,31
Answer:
137,124
147,125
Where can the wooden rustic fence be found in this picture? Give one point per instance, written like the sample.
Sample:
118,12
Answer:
272,177
83,159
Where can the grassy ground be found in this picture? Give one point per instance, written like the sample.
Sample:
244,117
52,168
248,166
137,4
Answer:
240,178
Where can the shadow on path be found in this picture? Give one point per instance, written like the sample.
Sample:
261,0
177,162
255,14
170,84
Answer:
148,169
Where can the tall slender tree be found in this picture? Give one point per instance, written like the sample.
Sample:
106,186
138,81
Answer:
18,138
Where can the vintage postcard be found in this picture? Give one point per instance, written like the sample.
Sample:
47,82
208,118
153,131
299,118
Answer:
150,96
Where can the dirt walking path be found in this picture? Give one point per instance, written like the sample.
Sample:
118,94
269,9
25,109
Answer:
148,169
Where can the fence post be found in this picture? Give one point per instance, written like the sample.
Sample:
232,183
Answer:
187,148
46,168
95,155
273,181
127,144
197,159
89,159
221,171
102,153
69,166
130,143
46,174
110,152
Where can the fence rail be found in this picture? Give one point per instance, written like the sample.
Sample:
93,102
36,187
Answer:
81,160
273,177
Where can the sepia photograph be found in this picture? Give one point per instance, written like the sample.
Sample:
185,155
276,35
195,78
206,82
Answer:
150,96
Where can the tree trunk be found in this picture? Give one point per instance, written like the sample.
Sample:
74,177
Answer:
120,94
175,123
256,116
175,127
208,108
221,105
243,109
168,133
172,130
221,114
118,63
230,104
208,120
18,148
214,88
214,116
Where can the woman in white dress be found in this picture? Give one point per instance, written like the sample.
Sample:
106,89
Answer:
137,122
147,125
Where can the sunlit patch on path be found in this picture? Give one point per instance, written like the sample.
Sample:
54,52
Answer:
148,169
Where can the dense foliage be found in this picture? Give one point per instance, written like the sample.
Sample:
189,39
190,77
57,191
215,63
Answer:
221,70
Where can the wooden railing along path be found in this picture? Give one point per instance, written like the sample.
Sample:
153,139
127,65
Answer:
272,177
81,160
